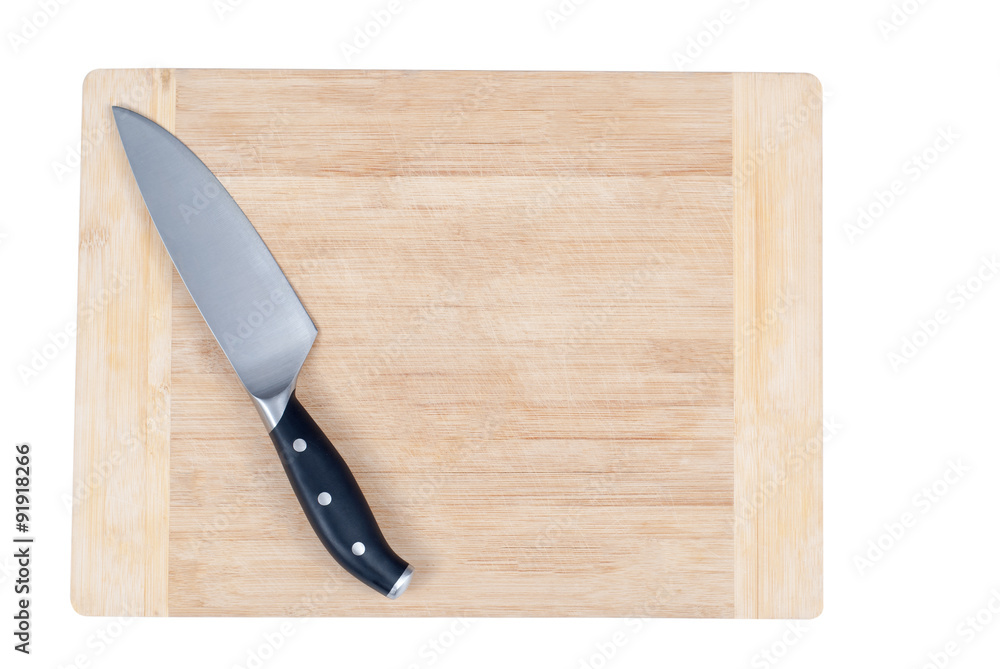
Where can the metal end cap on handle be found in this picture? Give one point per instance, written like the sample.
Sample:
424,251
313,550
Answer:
402,583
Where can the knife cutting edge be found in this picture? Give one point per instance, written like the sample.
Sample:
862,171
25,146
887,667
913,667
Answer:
265,333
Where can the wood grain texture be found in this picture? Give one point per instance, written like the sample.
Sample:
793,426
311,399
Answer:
777,166
122,433
524,289
516,278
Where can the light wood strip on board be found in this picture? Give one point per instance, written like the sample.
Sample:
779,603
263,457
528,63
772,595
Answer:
777,173
121,497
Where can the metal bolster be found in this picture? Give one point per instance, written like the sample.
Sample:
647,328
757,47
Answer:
271,409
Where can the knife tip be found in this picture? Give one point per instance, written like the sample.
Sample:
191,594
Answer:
120,113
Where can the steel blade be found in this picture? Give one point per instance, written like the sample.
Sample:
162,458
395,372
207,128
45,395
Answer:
241,292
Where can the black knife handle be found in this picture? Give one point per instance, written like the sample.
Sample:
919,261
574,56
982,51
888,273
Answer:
334,503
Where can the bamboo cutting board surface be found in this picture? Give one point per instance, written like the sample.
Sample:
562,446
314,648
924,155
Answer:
569,343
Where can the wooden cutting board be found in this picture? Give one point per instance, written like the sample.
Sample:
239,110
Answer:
569,343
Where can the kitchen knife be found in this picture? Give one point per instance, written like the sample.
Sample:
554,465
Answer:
265,333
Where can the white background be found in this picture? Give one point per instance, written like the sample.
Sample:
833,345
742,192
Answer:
894,431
